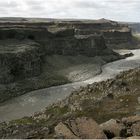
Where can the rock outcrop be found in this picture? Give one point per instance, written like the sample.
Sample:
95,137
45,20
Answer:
61,41
72,128
19,60
61,31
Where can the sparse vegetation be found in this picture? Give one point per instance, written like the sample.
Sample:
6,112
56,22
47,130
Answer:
117,98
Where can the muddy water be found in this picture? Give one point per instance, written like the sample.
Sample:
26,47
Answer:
35,101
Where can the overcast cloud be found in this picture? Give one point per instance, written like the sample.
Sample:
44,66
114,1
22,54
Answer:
123,10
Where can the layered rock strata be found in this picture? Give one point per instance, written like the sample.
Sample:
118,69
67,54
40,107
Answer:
26,43
56,38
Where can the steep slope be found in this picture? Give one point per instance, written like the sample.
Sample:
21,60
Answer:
31,47
115,98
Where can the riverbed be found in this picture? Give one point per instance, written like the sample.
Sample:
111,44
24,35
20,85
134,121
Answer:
35,101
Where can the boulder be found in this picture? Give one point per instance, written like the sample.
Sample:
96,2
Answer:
19,60
84,128
63,131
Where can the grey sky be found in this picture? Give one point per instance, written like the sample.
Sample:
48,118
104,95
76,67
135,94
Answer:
123,10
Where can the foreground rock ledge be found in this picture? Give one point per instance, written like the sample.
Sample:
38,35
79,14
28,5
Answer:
72,128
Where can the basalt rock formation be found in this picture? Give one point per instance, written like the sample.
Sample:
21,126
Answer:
113,32
19,60
56,40
48,31
60,41
26,43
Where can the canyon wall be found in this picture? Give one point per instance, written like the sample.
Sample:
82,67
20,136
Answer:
19,60
58,37
113,32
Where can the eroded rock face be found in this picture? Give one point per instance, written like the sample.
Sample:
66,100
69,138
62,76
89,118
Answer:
58,41
69,37
22,58
80,45
113,32
19,60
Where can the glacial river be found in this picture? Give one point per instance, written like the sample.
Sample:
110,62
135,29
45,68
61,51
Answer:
35,101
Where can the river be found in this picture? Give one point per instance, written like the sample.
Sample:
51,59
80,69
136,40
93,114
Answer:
35,101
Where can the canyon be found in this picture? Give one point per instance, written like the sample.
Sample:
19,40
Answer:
69,79
31,47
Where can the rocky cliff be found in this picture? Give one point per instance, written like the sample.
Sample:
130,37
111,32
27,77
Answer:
58,38
26,43
19,60
114,33
46,30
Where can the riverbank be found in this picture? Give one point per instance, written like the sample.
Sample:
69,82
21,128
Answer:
37,100
37,54
58,70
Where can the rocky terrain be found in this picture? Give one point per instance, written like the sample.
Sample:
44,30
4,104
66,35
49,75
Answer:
109,109
30,48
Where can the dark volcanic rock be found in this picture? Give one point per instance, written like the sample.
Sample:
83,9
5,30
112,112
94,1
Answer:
54,40
19,60
80,45
58,40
